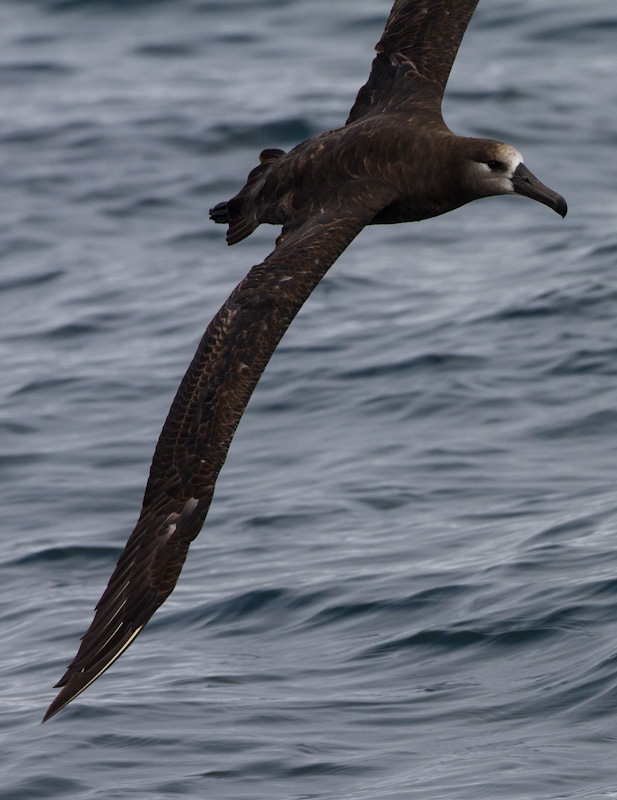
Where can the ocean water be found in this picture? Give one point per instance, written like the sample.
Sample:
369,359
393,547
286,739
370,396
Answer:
407,584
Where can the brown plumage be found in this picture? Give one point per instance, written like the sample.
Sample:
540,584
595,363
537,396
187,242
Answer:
394,161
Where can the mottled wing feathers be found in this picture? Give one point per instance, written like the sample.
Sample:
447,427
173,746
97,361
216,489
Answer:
415,56
196,436
428,33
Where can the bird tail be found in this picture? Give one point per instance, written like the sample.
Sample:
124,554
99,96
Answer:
240,213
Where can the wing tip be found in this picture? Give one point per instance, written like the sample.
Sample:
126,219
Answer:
62,699
79,681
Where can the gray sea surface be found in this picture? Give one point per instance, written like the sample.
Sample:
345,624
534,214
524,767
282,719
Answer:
407,584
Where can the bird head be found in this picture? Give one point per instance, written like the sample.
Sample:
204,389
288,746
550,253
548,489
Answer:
493,168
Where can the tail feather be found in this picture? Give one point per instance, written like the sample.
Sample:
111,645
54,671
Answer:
240,213
240,226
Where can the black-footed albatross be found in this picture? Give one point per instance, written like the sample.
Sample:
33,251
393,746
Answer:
394,160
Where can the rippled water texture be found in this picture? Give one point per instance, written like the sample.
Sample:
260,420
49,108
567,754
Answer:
407,584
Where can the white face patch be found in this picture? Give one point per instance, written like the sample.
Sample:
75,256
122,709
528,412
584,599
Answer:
493,179
514,161
508,156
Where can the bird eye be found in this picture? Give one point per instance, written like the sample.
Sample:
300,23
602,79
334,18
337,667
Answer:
495,164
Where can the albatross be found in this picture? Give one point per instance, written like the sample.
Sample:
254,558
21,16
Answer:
395,160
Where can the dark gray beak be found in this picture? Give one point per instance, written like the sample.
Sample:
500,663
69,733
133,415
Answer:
526,183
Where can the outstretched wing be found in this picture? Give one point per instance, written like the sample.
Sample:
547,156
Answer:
196,436
415,56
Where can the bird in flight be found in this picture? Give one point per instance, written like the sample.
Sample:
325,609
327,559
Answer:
394,160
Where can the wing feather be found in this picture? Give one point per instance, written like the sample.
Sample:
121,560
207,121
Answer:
193,445
414,57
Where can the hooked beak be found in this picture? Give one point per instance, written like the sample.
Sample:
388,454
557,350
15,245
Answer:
526,183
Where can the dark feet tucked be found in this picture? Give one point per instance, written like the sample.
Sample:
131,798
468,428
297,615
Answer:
219,213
